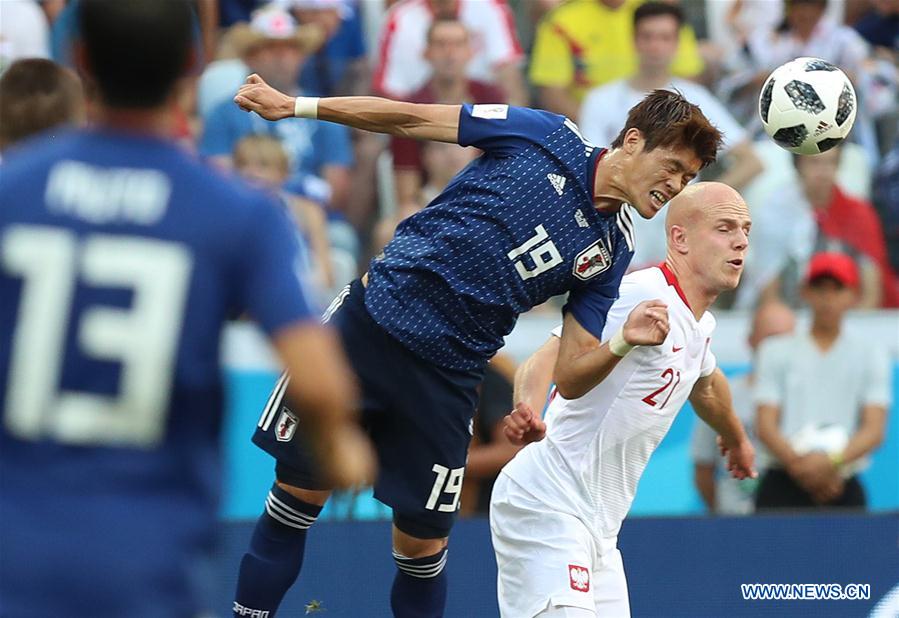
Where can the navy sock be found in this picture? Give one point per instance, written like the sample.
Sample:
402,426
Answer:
273,561
419,588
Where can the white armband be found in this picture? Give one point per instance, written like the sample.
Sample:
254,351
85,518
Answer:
306,107
617,345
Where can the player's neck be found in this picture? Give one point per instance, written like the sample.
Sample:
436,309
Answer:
648,79
609,183
155,121
698,298
824,334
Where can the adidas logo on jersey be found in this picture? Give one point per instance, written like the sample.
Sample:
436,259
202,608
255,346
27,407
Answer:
558,182
580,218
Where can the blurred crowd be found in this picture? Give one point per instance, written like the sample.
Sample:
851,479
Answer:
588,59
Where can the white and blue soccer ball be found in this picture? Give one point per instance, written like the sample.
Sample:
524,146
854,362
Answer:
807,106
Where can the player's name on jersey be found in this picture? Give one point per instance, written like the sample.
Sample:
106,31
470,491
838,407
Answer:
106,195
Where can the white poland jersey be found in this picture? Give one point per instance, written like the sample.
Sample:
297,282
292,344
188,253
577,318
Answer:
597,446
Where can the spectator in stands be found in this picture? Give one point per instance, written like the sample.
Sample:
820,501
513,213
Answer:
37,95
656,28
448,52
879,26
808,31
586,43
885,195
721,493
231,12
273,46
490,450
24,32
402,68
822,399
816,215
340,66
262,160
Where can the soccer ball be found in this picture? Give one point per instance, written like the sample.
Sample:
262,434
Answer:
807,106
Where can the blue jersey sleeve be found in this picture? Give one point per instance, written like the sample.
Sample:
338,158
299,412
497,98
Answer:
272,280
503,129
590,304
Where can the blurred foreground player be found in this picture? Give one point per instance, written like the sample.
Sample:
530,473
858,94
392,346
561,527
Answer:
120,259
558,505
540,213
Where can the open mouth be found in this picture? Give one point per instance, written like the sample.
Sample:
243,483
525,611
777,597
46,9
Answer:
736,262
658,198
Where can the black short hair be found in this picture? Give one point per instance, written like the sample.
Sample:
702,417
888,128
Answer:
666,118
655,9
136,49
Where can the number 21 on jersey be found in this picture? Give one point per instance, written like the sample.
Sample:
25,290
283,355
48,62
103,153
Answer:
54,264
672,379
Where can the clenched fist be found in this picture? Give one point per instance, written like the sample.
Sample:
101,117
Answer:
523,426
257,96
647,324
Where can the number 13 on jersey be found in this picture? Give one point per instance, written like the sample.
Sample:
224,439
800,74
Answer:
54,265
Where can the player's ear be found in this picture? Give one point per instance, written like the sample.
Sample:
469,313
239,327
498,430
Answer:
633,141
677,239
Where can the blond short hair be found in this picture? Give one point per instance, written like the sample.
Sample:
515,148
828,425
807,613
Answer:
261,149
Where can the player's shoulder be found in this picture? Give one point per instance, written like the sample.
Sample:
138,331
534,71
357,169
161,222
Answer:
224,192
22,161
647,282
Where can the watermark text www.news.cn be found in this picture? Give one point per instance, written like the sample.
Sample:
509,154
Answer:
805,592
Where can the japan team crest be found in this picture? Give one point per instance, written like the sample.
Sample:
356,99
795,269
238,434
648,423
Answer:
592,261
286,427
579,577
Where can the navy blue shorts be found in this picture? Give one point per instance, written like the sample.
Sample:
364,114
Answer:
418,415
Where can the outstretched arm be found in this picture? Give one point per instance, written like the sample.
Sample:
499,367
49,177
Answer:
420,121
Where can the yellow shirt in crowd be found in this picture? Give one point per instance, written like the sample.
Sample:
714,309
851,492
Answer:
583,44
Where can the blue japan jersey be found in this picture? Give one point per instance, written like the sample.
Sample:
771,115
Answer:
121,257
514,228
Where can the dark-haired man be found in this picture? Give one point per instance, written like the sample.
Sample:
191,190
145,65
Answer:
120,258
542,212
656,40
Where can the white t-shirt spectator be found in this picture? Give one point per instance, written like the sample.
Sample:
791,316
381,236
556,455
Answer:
830,40
815,388
603,114
402,68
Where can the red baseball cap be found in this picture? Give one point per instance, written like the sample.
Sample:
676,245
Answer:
837,265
